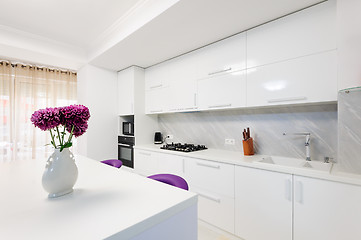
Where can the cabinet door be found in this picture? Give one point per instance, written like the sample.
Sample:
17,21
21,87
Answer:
126,92
303,33
224,91
263,204
222,57
172,164
303,80
145,162
326,210
156,100
157,76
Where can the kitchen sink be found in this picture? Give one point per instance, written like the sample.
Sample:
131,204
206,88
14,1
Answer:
283,161
317,165
296,162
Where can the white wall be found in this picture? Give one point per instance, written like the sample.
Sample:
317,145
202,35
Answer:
97,89
349,43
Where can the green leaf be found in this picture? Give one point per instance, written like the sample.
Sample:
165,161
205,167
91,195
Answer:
66,145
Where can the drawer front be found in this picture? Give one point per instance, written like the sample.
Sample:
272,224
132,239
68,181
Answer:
212,176
215,209
145,162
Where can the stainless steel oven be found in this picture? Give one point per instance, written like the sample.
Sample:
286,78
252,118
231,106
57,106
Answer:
126,150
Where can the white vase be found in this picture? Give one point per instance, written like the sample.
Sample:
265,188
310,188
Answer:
60,173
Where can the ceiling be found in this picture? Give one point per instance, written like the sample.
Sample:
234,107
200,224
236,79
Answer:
116,34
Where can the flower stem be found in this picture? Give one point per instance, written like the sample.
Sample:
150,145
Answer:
52,137
71,134
60,139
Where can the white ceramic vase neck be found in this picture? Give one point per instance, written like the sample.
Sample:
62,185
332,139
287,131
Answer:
60,173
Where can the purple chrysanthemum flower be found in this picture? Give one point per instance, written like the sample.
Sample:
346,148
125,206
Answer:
46,119
77,116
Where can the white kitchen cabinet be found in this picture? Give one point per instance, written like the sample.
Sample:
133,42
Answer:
310,31
309,79
225,56
156,100
157,76
223,91
126,92
171,164
182,95
326,210
214,182
263,204
145,162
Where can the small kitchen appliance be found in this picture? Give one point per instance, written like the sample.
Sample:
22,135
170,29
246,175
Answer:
128,128
158,138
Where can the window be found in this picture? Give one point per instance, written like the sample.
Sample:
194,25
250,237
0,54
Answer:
24,89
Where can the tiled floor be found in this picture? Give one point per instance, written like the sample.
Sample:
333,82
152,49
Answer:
207,232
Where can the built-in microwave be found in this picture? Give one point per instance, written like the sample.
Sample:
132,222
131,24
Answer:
128,128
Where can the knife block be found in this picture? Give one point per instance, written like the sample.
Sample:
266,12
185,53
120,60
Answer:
248,147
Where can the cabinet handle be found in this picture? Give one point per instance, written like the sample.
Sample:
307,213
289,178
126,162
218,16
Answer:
286,99
155,111
156,86
195,99
218,200
299,192
288,192
220,71
219,106
190,108
144,153
208,165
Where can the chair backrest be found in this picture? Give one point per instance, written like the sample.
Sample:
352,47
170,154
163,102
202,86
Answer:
171,179
113,162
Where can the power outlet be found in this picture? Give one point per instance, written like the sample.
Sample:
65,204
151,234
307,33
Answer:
169,136
229,141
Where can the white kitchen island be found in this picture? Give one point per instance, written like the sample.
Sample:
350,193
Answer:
107,203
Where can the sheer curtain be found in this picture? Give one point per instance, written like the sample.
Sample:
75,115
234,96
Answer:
32,88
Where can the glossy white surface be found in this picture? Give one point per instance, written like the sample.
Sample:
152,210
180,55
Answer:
303,33
105,201
263,204
225,56
222,91
126,92
332,207
337,174
306,79
60,173
303,80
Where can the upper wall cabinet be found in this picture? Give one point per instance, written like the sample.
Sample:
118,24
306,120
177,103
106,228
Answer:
182,92
307,79
126,92
157,76
222,57
224,91
312,30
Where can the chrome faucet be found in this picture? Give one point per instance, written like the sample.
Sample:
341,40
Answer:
307,143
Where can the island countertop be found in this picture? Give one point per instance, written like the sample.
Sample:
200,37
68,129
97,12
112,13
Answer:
106,203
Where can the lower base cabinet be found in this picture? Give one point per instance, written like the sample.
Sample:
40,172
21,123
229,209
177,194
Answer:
257,204
326,210
263,204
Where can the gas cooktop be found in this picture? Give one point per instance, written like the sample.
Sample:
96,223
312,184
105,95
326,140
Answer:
183,147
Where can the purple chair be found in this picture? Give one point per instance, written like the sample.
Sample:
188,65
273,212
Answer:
171,179
113,162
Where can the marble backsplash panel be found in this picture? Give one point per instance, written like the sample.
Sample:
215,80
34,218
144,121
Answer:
271,128
349,129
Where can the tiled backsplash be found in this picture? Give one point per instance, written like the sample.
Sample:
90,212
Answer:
267,125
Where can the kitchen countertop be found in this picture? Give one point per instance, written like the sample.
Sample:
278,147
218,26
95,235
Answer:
106,201
237,158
